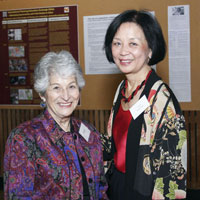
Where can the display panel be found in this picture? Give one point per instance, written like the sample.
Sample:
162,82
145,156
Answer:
26,35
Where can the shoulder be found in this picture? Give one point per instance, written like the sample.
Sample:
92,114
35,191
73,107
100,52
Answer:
159,89
118,90
25,130
87,131
77,123
161,95
165,109
163,104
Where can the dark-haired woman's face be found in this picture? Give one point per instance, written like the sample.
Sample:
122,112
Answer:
130,49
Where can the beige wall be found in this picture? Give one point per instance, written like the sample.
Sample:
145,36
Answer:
99,90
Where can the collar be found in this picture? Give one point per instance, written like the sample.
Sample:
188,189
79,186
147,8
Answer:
55,132
53,129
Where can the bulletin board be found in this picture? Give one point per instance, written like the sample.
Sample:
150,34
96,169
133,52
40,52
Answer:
99,90
26,35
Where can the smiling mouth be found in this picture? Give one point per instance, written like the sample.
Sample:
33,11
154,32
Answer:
126,61
65,104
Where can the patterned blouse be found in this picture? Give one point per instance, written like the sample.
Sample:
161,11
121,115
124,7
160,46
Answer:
41,161
161,160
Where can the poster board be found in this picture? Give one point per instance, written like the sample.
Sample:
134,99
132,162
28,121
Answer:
99,90
26,35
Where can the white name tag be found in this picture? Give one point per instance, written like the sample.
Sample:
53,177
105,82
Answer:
84,131
139,107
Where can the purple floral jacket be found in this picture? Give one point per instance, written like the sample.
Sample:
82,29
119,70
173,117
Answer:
41,161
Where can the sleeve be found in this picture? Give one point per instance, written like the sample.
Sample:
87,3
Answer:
170,152
19,169
106,140
102,184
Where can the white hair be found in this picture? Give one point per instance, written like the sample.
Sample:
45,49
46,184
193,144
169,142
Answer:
61,63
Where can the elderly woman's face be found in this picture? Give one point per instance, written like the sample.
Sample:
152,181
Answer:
130,49
62,96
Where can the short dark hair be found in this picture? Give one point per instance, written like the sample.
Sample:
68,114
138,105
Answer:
149,25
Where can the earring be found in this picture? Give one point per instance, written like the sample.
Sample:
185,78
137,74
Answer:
149,58
43,103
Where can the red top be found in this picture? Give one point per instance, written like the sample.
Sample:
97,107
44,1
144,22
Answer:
120,131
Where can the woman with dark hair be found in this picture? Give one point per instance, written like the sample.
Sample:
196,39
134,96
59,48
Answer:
146,125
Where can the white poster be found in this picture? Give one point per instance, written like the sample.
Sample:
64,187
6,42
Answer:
179,51
94,33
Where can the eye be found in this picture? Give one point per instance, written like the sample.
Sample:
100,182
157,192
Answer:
73,86
116,43
133,44
56,88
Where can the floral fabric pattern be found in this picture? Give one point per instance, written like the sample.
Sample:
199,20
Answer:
162,156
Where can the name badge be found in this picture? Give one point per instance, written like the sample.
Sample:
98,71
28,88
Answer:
84,131
139,107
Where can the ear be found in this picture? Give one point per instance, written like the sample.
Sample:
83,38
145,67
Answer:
42,97
150,54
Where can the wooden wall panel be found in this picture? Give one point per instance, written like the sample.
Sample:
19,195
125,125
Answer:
10,118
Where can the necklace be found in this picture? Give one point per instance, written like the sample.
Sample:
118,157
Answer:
124,98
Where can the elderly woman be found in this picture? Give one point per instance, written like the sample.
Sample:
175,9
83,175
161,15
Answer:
146,123
55,156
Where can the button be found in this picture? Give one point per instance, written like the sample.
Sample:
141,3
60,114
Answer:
90,180
82,159
102,183
75,137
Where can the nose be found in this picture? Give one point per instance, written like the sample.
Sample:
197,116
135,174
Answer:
65,94
124,50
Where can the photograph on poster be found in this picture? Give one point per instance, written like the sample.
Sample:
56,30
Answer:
20,94
17,65
178,10
25,94
14,96
14,34
16,51
18,80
